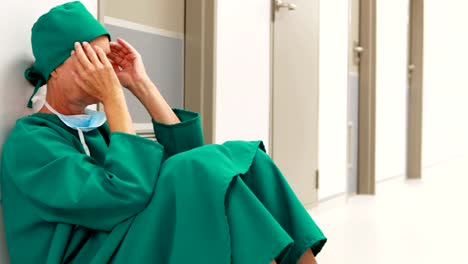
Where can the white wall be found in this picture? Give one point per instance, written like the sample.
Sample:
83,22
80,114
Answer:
445,128
333,97
391,87
243,71
15,57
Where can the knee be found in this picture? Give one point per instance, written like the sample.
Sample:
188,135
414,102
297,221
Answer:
263,160
190,167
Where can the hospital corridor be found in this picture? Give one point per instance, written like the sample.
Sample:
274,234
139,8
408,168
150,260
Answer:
410,221
244,132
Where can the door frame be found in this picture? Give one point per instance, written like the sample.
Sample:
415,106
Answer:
367,92
415,89
200,62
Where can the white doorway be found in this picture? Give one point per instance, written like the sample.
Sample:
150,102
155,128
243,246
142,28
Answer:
391,88
333,99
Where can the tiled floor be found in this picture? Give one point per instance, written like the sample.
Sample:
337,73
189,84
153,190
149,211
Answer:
406,222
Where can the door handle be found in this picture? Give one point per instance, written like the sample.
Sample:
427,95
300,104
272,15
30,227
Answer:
358,49
411,69
280,4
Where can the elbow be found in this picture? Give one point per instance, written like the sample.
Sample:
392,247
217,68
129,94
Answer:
140,193
131,191
143,195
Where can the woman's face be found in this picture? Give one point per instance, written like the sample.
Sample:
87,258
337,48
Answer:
64,76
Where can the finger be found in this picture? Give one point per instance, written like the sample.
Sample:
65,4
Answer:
112,61
127,46
81,56
118,50
116,67
115,57
79,81
78,67
116,47
125,50
102,56
111,57
90,53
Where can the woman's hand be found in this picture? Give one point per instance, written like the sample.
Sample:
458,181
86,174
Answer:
131,72
94,73
128,65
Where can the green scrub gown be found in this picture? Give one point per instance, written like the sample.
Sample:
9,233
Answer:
137,201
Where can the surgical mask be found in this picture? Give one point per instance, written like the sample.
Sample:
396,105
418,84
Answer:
82,123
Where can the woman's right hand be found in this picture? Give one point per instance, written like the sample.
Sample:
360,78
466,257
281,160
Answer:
96,77
94,73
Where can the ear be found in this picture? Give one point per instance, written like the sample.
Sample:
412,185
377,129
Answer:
54,74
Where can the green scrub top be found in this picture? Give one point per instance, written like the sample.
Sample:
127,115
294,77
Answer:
137,201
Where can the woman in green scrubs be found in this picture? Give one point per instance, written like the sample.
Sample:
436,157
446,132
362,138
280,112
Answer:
78,189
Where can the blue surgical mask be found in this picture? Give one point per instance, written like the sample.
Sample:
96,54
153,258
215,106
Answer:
83,123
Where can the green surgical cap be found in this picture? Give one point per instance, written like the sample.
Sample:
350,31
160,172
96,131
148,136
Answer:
53,38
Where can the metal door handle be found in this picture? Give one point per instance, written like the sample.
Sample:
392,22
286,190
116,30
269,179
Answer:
358,49
280,4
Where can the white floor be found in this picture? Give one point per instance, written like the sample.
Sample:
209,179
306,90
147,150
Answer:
422,221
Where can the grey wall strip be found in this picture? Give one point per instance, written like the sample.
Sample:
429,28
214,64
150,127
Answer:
164,62
353,117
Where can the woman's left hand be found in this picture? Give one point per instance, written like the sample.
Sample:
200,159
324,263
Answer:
128,64
131,72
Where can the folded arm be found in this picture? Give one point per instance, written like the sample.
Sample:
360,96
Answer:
65,185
